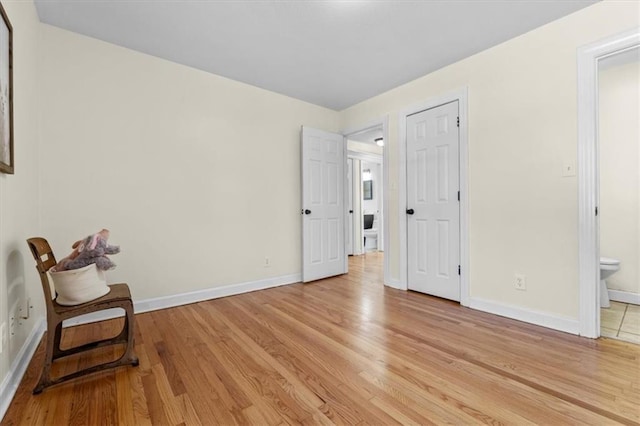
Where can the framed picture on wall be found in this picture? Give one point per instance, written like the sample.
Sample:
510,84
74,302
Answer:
367,190
6,94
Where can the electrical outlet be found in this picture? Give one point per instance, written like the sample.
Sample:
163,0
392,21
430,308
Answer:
520,283
13,323
267,262
3,336
25,310
14,319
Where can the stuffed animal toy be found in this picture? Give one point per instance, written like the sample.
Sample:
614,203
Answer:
92,249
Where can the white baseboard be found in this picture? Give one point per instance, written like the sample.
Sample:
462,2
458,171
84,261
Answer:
624,296
544,319
147,305
19,366
394,284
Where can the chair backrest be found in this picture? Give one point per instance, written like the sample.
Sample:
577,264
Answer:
43,255
368,221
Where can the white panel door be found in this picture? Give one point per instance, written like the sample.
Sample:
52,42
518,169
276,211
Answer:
323,247
433,208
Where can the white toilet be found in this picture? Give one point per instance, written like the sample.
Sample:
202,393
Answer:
370,232
371,239
608,267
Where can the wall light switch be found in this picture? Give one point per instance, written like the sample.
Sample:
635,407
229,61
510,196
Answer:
569,168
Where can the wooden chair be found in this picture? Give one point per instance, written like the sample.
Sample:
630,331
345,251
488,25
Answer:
118,297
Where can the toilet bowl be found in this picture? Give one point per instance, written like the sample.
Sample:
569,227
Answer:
608,267
370,239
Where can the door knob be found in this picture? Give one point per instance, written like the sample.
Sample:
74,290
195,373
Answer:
350,211
410,211
307,211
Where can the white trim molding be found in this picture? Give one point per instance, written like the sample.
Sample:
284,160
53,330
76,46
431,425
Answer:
164,302
19,366
365,156
588,176
624,297
461,95
568,325
213,293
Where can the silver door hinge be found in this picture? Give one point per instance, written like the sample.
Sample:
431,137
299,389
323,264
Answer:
458,195
458,269
458,123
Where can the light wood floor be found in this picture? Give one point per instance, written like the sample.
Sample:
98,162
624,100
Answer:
344,350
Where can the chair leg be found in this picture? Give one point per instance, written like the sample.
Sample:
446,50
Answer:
129,328
57,350
45,376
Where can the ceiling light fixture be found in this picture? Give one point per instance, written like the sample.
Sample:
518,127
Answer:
379,141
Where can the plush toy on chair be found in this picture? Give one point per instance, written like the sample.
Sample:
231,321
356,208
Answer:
92,249
80,277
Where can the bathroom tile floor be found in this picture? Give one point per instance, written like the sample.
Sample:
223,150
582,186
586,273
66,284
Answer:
621,321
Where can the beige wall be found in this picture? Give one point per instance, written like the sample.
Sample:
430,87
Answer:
619,97
522,128
197,176
19,193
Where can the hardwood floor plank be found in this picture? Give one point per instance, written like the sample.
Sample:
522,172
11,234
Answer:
320,378
345,350
306,395
124,398
189,413
131,398
173,378
169,402
556,377
154,401
205,381
446,365
439,403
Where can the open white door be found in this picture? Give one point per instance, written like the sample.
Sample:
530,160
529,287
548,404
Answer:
433,205
323,213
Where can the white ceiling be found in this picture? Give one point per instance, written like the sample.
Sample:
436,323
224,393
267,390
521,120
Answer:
330,53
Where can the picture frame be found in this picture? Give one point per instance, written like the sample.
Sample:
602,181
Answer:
367,190
6,94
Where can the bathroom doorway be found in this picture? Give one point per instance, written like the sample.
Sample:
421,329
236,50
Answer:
592,291
619,193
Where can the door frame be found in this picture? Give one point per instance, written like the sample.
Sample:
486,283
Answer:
384,122
460,95
369,158
589,175
350,217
